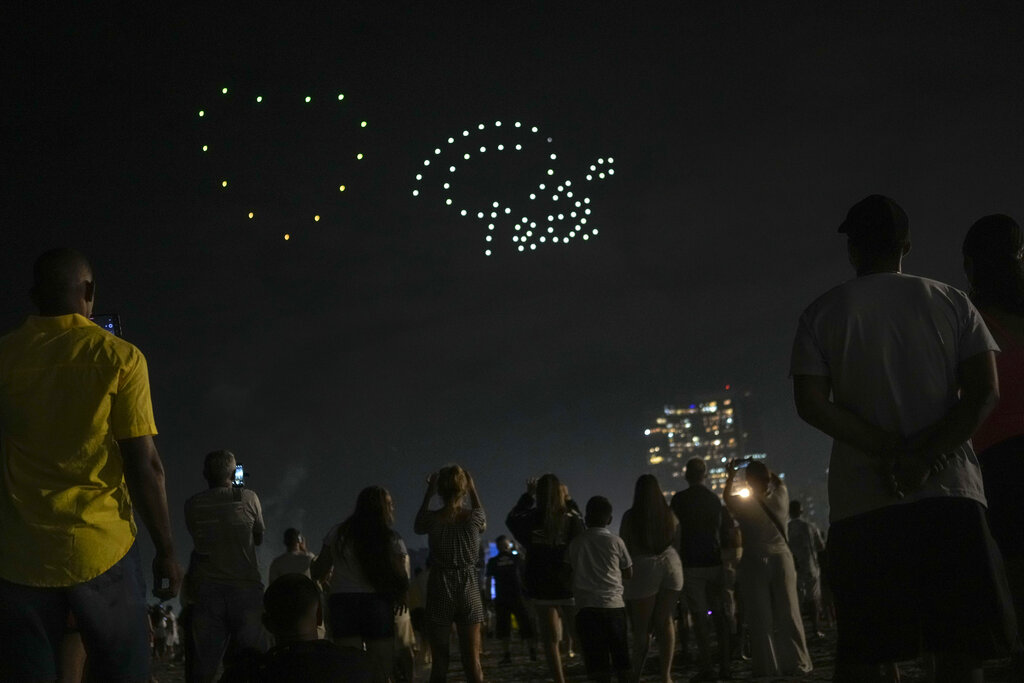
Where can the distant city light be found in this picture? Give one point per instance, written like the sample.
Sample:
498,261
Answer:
251,214
316,218
223,183
341,188
287,237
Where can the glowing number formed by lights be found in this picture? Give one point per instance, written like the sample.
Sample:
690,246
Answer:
244,136
557,208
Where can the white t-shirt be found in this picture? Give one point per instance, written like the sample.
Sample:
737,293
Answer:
222,530
290,563
760,534
891,345
598,557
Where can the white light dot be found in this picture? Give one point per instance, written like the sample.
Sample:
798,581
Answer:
489,238
426,162
586,211
533,246
593,168
590,177
560,188
519,147
611,171
490,226
463,212
534,129
551,171
586,237
568,183
495,205
550,217
451,140
517,228
465,133
533,196
515,238
524,219
594,231
568,194
549,139
542,238
572,234
611,161
541,186
415,193
561,216
480,214
437,150
447,186
529,233
550,229
601,176
532,224
497,123
554,197
521,247
501,148
487,253
448,202
572,214
483,149
583,221
481,126
518,125
586,200
508,210
494,214
451,169
466,156
578,203
553,157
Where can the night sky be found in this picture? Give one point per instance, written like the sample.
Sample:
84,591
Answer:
380,343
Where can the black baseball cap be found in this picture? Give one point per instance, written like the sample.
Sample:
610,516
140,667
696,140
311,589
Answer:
876,220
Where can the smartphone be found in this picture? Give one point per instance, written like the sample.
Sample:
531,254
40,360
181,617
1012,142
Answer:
742,463
239,476
111,322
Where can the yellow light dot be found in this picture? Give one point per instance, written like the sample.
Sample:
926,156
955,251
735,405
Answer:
308,98
363,124
202,113
341,188
259,98
316,218
223,183
359,156
224,91
287,237
341,96
250,214
205,148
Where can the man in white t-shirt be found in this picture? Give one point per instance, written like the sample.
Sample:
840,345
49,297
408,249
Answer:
295,560
900,371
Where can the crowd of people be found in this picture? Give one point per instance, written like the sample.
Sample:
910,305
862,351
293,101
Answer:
923,554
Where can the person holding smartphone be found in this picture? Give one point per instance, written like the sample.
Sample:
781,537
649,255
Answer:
767,574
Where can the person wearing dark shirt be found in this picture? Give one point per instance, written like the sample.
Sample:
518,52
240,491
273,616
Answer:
292,612
506,570
703,520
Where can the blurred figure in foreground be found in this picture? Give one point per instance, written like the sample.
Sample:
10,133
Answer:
507,571
805,542
78,461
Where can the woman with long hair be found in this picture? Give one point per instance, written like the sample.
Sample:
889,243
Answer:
544,525
993,251
650,531
369,579
453,588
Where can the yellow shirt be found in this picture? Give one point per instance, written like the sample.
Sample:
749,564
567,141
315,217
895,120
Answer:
69,390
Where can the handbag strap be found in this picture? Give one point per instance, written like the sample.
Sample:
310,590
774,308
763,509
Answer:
775,521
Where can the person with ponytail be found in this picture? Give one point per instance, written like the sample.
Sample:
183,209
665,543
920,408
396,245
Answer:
368,569
453,588
992,254
544,524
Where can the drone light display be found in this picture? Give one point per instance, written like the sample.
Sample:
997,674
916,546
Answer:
545,206
286,157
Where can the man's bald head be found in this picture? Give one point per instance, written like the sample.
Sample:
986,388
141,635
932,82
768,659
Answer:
62,283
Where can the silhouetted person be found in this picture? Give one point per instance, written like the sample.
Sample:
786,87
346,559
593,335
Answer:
506,568
226,524
78,459
367,562
992,251
703,521
296,558
600,562
453,592
767,575
900,371
805,542
293,614
544,525
650,531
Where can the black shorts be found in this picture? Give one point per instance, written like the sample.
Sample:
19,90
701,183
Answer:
369,616
921,575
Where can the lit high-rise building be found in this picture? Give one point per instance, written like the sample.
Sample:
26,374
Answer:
716,428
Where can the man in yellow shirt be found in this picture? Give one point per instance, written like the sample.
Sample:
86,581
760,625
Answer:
77,458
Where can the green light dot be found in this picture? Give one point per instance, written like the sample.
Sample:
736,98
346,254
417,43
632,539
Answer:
224,91
359,156
202,113
363,124
205,147
341,96
308,98
259,98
